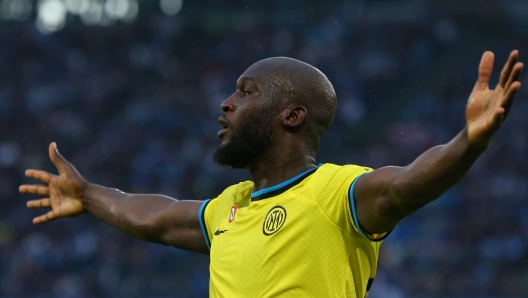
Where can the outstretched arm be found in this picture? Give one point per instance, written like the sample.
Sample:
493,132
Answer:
153,218
385,196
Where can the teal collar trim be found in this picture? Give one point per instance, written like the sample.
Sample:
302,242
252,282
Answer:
283,186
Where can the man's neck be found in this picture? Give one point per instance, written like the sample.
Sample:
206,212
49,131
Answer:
272,171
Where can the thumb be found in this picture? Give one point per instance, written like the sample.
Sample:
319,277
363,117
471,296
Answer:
484,71
60,162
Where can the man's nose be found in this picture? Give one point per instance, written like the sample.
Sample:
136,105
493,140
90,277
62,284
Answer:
228,105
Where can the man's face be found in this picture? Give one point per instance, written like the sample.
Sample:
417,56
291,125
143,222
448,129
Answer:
247,125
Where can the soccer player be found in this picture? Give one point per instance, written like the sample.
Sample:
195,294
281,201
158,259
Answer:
299,229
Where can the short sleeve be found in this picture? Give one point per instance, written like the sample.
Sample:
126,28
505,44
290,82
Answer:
204,216
209,215
355,221
333,191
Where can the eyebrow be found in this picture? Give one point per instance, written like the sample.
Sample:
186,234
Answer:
242,80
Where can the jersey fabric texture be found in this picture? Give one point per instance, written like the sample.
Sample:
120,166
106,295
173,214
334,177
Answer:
300,238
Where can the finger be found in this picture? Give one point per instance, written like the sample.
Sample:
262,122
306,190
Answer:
42,176
43,203
34,189
44,218
510,95
506,71
60,162
498,117
484,72
514,76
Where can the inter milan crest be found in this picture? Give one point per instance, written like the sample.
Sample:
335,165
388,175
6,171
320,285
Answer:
233,212
274,220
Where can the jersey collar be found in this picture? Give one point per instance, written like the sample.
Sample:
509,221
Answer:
283,186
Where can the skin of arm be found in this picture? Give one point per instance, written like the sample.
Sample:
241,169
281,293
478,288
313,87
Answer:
399,191
387,195
153,218
149,217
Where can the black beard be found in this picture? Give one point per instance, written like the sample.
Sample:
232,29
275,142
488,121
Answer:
249,141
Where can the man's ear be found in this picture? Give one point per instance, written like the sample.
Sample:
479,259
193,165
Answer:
294,116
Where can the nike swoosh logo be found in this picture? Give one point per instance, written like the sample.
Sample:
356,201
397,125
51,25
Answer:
218,232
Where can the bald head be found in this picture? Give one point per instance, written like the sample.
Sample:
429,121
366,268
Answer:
281,109
290,82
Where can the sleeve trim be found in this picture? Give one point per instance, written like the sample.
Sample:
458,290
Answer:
352,202
203,226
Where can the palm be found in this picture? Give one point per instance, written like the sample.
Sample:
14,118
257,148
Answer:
487,109
63,193
65,197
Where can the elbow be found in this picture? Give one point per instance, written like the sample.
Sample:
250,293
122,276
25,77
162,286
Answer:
153,231
396,203
145,229
390,209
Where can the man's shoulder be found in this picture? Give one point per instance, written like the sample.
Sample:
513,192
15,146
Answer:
241,186
330,171
332,177
237,191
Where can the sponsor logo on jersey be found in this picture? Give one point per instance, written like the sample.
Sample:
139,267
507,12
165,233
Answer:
218,232
274,220
233,212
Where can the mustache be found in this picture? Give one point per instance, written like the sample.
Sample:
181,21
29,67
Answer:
223,118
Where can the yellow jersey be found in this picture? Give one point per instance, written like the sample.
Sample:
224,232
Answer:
300,238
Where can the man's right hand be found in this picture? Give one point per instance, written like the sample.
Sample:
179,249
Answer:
149,217
63,193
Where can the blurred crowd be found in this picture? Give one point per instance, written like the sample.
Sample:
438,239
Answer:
134,106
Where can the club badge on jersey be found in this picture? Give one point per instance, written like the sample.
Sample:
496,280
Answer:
233,212
274,220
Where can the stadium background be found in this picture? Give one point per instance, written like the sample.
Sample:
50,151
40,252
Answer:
131,91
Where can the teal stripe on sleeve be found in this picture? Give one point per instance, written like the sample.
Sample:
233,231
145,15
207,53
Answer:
352,202
201,219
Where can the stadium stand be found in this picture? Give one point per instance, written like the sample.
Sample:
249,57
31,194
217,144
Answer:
134,106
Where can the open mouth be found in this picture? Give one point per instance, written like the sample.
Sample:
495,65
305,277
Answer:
225,127
222,132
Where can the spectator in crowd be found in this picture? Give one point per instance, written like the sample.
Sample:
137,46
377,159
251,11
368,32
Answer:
120,102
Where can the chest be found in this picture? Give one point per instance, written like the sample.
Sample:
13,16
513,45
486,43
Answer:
269,231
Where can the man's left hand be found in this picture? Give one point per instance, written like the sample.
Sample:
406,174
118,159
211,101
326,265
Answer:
487,109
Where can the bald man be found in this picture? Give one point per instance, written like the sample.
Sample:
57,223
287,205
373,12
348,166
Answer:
298,229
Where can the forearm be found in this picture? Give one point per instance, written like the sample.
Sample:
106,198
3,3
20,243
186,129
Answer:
133,214
385,196
433,172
